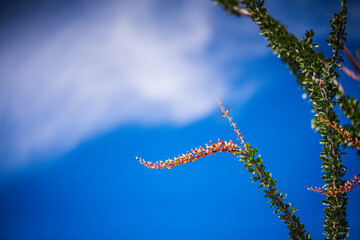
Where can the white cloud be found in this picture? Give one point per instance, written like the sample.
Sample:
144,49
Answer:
113,66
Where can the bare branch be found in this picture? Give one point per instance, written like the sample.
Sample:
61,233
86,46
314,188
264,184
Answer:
242,11
353,61
351,73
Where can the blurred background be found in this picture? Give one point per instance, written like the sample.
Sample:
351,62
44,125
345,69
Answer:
88,85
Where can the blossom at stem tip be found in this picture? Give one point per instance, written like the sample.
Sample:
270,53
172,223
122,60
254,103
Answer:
220,146
355,142
347,187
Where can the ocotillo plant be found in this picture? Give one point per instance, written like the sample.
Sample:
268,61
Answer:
318,77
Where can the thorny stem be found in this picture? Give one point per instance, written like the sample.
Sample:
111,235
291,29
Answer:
279,202
236,130
245,12
339,205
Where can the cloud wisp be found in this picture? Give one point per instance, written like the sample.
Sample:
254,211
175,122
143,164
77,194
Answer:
104,70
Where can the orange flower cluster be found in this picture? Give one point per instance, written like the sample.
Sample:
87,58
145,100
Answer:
195,154
345,134
347,187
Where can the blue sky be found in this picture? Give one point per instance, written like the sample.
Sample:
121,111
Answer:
86,86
